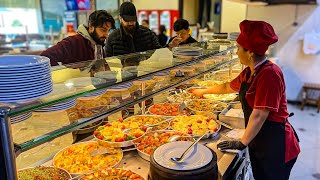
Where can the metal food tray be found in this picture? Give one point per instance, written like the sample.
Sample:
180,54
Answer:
69,175
235,122
133,141
208,136
152,115
193,111
119,144
166,116
86,142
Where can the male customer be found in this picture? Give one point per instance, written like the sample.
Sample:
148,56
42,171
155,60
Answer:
81,47
181,28
162,37
130,37
145,23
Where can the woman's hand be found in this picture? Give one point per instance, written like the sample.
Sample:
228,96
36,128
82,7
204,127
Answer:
199,92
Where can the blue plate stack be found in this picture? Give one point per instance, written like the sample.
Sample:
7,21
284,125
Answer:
94,94
21,117
187,51
24,78
59,107
121,86
145,79
162,73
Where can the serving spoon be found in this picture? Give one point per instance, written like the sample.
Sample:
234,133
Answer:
181,158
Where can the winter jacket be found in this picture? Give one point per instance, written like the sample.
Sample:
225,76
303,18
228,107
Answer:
72,49
119,42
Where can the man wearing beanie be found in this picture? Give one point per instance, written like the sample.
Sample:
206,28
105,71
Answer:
130,37
272,142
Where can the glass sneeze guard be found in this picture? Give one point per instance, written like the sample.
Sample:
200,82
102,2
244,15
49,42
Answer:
124,64
137,66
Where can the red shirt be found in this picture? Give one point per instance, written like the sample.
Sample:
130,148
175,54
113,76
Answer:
268,92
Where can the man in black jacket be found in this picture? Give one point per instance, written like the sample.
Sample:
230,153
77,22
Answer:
181,27
130,37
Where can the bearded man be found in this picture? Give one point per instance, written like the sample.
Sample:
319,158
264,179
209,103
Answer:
82,46
130,37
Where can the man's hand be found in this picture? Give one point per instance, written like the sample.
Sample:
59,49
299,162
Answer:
175,42
198,92
231,145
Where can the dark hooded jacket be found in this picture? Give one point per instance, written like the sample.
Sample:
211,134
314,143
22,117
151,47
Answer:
120,42
72,49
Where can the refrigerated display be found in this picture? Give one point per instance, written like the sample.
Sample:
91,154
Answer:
159,17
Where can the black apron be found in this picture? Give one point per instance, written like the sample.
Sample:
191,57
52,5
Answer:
267,149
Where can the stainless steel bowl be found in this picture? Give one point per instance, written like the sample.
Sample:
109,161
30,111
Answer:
119,144
88,142
199,112
67,173
163,118
209,135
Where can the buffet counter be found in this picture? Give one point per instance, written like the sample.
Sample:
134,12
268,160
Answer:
230,165
96,102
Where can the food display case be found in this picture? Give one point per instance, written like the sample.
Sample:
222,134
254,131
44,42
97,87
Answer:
80,103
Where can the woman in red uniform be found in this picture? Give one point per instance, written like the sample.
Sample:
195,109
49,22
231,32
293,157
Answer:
272,141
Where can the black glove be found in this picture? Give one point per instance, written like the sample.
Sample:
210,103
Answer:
231,145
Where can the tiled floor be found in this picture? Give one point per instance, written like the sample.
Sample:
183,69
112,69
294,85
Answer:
307,125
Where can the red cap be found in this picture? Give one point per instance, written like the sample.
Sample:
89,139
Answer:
256,36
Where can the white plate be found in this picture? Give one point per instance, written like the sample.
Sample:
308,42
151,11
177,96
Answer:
16,61
84,82
198,157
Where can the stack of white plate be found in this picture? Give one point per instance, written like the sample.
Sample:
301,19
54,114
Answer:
232,36
187,51
24,78
59,107
21,117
